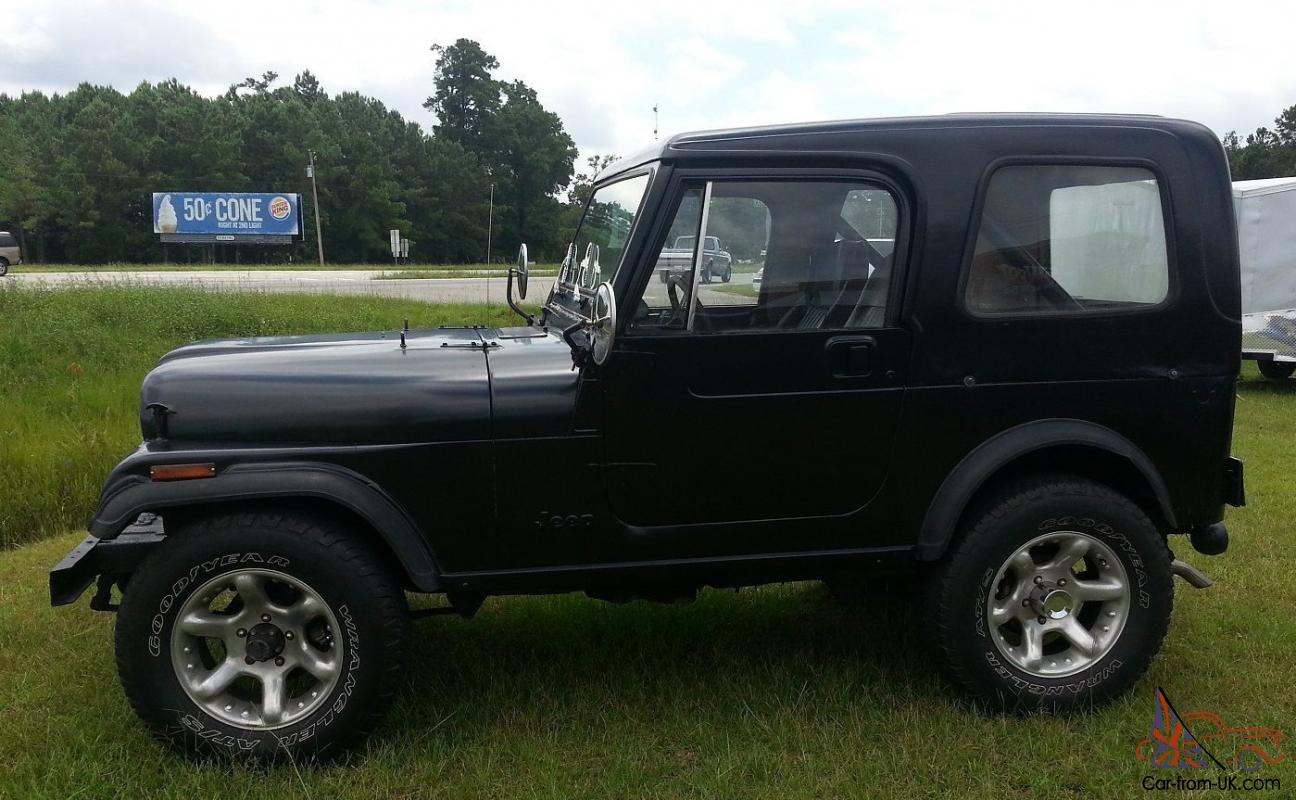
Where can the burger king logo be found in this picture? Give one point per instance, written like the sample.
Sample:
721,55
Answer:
280,208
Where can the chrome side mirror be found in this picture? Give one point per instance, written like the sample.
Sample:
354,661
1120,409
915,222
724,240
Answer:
523,270
592,336
520,272
603,322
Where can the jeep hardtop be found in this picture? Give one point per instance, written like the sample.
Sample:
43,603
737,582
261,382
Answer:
1014,410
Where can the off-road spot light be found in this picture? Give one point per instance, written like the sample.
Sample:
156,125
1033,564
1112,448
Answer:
182,472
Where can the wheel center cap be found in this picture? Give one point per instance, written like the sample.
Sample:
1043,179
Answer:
264,642
1057,603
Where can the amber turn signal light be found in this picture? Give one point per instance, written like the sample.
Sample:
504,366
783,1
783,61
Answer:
182,472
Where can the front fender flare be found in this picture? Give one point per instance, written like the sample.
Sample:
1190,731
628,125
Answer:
134,494
978,466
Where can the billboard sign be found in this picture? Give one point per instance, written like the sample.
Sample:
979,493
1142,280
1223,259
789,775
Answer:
232,214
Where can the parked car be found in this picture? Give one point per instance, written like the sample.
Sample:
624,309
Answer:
677,260
10,252
1020,408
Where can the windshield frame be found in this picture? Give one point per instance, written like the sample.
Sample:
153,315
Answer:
568,282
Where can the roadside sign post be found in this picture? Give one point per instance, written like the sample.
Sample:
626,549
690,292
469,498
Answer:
395,237
405,247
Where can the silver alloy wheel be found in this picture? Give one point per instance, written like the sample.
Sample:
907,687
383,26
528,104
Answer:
1058,604
256,649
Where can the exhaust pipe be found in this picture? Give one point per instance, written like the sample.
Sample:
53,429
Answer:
1195,577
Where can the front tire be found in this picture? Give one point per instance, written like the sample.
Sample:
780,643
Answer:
261,636
1056,597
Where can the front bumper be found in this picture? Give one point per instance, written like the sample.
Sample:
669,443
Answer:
95,557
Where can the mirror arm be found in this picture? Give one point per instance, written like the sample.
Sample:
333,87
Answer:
530,320
577,337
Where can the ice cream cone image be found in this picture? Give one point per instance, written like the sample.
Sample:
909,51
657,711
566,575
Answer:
167,221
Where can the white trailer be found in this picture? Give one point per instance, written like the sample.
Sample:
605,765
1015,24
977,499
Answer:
1266,224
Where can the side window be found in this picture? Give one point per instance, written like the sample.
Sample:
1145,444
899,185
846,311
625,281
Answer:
665,301
777,255
1067,239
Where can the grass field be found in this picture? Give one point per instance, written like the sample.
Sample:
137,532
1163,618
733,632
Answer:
743,289
781,692
296,265
71,361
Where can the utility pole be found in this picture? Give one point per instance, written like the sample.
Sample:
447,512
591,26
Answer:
319,234
654,122
490,223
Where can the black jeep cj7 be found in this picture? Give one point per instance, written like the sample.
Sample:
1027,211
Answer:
993,353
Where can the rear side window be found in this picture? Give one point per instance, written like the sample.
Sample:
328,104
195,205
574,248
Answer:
7,240
1067,239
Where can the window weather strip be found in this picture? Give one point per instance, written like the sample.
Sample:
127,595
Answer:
701,252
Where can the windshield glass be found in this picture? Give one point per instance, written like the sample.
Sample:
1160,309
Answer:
606,226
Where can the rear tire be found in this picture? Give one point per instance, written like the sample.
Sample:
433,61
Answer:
1276,370
306,618
4,267
1056,597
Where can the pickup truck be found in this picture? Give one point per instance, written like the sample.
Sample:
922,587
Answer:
677,260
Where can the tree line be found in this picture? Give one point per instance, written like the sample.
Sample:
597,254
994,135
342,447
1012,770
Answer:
77,170
1267,153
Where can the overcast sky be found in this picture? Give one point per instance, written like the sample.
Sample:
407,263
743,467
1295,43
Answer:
602,65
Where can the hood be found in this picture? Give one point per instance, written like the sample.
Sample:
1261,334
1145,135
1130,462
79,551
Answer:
340,388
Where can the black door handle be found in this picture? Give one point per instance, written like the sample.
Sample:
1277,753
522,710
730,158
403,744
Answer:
851,356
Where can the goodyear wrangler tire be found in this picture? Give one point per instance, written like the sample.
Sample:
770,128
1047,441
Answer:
1056,597
261,636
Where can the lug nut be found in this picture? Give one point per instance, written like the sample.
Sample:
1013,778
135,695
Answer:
288,635
1102,562
1061,581
242,632
1039,579
1041,619
249,660
1026,603
279,662
265,617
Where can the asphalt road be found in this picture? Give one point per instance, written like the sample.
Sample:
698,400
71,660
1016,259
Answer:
342,282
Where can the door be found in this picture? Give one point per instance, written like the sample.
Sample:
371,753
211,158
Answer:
774,396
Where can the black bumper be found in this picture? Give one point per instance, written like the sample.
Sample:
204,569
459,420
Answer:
95,557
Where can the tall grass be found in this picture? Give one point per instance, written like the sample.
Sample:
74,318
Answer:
451,269
71,362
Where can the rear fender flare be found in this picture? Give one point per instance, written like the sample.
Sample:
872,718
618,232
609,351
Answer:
983,463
